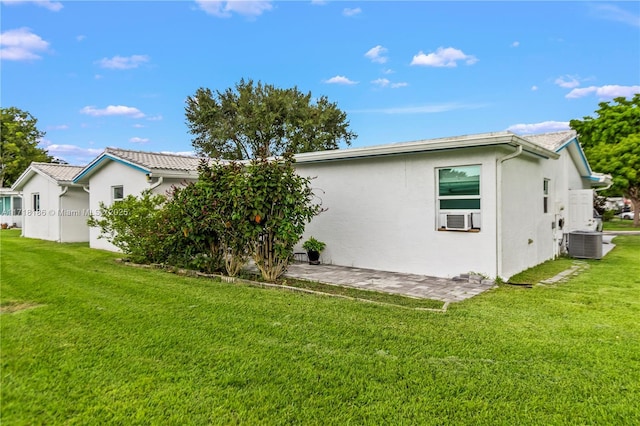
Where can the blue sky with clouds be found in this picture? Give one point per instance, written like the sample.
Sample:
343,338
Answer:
98,74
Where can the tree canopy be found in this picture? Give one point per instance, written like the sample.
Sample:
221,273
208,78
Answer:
19,137
256,121
611,142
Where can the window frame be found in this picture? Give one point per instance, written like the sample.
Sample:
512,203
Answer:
545,195
115,199
35,201
474,210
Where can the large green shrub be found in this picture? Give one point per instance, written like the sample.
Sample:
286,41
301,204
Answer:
281,205
234,211
132,226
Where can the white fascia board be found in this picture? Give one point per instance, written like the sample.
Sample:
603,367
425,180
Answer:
100,161
469,141
27,175
23,179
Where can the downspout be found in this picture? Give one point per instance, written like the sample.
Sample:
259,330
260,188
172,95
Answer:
157,184
64,191
605,188
499,162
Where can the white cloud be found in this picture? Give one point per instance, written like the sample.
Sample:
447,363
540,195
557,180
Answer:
318,2
614,13
568,81
58,127
53,6
71,153
543,127
443,57
340,79
112,110
534,88
351,12
123,62
376,54
139,126
21,45
383,82
224,9
155,118
422,109
184,153
604,92
139,140
515,44
81,37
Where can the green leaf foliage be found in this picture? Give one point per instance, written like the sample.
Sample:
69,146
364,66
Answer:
19,137
255,120
282,203
231,213
611,142
132,226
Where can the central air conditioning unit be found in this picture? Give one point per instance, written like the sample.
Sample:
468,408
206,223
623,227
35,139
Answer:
585,244
458,221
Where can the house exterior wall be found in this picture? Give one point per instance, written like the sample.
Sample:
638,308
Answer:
382,214
42,224
528,233
133,182
73,215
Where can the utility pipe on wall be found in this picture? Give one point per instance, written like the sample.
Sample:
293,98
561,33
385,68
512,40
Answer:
64,191
157,184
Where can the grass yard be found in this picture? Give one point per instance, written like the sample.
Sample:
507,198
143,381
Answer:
85,340
617,224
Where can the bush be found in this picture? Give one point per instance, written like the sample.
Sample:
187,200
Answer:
608,215
132,226
232,212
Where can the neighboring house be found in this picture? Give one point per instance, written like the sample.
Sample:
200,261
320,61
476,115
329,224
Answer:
53,207
10,208
117,173
494,203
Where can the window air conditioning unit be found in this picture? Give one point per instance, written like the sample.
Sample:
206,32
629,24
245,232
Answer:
458,221
585,244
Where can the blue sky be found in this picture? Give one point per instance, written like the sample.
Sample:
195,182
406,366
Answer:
98,74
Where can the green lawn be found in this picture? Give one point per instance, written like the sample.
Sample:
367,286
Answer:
87,341
619,225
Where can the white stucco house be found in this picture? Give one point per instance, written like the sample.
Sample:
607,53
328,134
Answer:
494,203
117,173
53,207
10,208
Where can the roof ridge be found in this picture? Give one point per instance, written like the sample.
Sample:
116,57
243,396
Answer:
112,149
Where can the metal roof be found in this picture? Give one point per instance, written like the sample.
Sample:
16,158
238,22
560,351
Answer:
152,163
59,173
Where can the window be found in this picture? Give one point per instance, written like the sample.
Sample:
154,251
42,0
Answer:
545,199
36,202
17,206
5,208
117,193
459,198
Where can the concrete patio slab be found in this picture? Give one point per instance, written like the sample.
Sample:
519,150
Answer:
418,286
